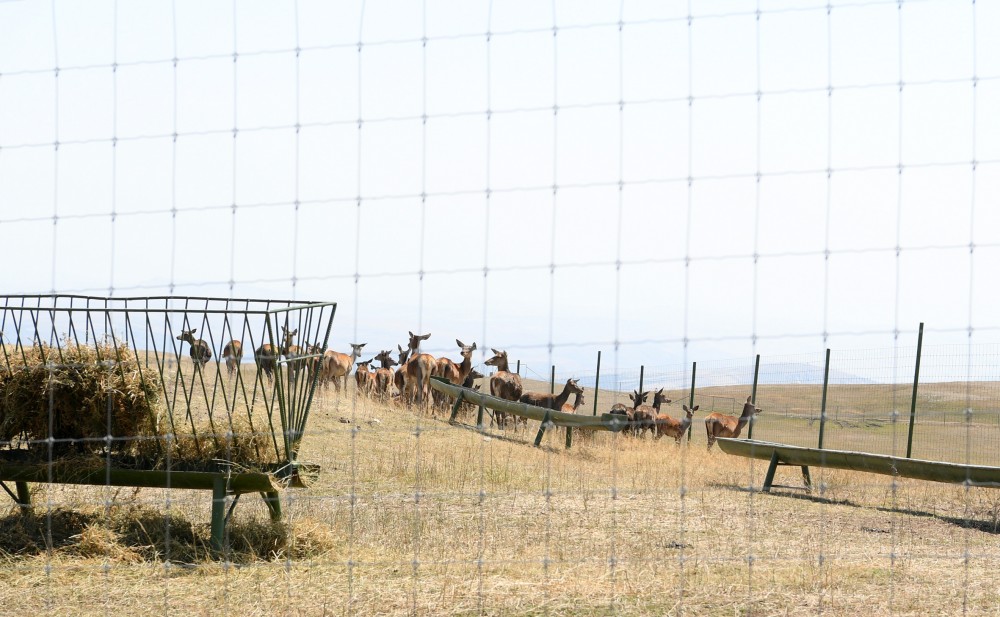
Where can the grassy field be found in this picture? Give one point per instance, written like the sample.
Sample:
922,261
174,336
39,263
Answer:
412,515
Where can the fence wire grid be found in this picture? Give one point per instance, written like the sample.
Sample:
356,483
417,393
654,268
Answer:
636,195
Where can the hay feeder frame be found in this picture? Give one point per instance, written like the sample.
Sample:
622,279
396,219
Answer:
242,429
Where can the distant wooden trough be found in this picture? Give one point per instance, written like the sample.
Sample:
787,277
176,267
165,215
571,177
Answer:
547,417
934,471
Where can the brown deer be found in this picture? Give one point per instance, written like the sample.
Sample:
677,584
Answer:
364,378
200,352
419,368
554,402
665,425
503,383
577,404
383,376
293,353
233,353
336,365
399,378
454,373
266,356
644,416
720,425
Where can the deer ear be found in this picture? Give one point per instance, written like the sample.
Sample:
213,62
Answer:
362,344
686,407
749,398
460,343
695,408
473,347
425,336
495,352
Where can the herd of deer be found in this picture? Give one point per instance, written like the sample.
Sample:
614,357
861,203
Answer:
412,381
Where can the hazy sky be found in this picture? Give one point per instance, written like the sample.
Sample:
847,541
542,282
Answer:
587,172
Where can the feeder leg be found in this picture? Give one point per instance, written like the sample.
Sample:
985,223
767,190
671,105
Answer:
541,429
218,513
479,417
273,501
23,495
454,408
769,478
805,477
569,436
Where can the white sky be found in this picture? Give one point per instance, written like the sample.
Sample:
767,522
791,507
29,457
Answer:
121,207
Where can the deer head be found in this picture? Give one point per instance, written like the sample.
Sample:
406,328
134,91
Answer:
573,386
356,349
385,359
466,349
415,341
690,412
404,355
499,358
187,336
637,399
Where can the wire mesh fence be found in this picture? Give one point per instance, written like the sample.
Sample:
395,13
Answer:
668,184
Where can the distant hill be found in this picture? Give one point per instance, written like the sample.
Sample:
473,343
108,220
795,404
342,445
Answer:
773,374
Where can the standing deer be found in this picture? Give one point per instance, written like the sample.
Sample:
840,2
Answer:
383,376
503,383
200,352
233,353
454,373
720,425
399,379
644,416
336,365
293,353
554,402
266,356
665,425
364,378
619,409
419,369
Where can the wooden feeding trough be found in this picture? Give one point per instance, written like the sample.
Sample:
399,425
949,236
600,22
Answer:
166,392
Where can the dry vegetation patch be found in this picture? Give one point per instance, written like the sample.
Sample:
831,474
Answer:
413,516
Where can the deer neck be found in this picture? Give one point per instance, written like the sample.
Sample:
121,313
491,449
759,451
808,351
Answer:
578,402
562,398
685,422
465,367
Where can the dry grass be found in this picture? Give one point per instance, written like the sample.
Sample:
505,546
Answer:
446,520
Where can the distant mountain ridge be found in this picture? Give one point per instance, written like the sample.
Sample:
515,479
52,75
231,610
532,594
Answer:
784,373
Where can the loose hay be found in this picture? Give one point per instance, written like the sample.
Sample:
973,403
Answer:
73,393
79,395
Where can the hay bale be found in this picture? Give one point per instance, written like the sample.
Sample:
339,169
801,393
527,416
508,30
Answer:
76,392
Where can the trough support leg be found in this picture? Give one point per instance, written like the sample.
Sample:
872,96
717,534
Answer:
806,479
273,502
569,437
769,478
218,514
23,495
541,429
479,417
454,408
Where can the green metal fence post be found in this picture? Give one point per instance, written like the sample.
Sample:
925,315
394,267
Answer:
642,375
597,382
541,429
753,395
822,409
23,494
454,408
552,381
218,513
694,372
569,437
913,398
518,371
